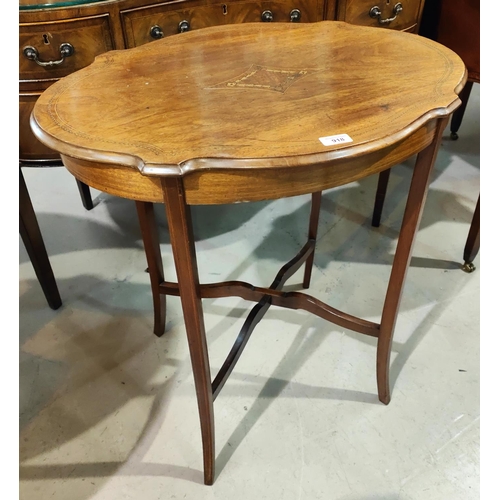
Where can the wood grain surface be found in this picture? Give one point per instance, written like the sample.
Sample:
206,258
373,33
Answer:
236,113
250,96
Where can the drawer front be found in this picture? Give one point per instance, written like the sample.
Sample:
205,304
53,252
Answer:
30,148
88,37
143,25
358,12
165,20
304,11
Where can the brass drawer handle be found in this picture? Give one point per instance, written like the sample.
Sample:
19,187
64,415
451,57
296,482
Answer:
65,49
295,15
156,32
267,16
375,12
184,26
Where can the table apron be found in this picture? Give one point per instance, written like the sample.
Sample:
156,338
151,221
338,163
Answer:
220,186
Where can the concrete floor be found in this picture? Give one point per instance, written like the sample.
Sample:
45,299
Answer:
108,411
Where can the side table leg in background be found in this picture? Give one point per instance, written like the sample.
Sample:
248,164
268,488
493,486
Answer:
33,241
456,119
472,244
85,195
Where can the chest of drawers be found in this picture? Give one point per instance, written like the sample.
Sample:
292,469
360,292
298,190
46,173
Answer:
399,14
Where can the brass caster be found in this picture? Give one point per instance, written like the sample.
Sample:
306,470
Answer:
468,267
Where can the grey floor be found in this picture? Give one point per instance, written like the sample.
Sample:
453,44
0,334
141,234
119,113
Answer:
108,411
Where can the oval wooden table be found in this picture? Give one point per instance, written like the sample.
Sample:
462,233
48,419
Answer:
254,112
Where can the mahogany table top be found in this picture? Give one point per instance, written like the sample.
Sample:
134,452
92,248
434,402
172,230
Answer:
253,95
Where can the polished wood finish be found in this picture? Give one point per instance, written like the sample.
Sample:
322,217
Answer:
33,241
454,24
248,11
96,27
228,187
30,148
85,195
358,12
130,184
249,292
90,29
313,233
35,154
268,97
472,244
458,26
160,287
93,28
458,115
257,313
383,182
151,240
52,4
139,21
90,36
237,115
411,220
183,249
84,189
208,186
290,300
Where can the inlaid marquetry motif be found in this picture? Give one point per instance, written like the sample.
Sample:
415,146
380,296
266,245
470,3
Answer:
260,77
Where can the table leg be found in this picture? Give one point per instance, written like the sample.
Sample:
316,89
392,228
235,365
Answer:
85,195
411,220
472,243
456,119
183,249
313,232
33,241
383,181
149,230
